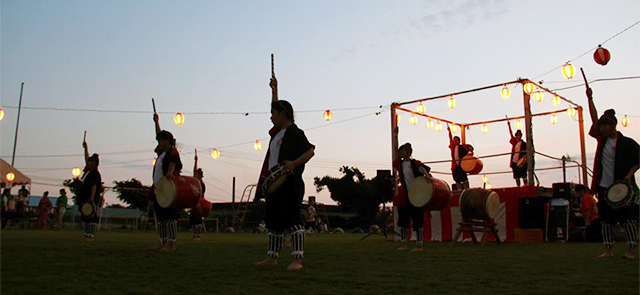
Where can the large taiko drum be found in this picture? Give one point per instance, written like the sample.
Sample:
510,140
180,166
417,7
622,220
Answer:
477,203
205,207
429,195
274,178
621,194
471,164
179,193
88,210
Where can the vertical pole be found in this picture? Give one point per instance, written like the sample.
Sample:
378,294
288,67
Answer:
463,134
529,129
394,154
15,141
564,169
233,193
583,154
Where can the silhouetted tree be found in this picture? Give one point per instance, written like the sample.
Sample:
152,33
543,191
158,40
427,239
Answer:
132,193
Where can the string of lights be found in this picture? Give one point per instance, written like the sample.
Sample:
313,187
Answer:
587,52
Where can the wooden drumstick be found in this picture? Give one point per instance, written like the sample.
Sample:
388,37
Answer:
586,84
273,71
153,102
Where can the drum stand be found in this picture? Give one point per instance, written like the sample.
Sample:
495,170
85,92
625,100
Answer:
472,226
382,227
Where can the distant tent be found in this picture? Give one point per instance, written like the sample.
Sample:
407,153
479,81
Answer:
20,179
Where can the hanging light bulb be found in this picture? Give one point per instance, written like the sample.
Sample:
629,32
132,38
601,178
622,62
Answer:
625,121
328,115
10,176
528,87
153,163
1,114
568,71
178,119
538,96
485,178
76,171
505,92
484,128
413,120
518,124
215,154
571,112
452,103
397,119
554,119
257,146
438,126
455,128
430,124
555,100
421,108
487,186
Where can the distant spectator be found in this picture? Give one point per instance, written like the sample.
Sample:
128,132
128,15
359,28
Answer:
44,208
311,218
61,208
589,209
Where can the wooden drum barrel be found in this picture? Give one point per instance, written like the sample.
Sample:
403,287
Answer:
477,203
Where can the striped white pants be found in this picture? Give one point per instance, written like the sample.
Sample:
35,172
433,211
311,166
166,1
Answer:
276,240
419,236
168,231
90,229
631,229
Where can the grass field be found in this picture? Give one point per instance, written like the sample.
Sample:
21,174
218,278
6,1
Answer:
121,263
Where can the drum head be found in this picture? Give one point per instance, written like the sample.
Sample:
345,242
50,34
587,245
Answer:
420,192
493,204
86,209
617,192
166,193
468,163
277,183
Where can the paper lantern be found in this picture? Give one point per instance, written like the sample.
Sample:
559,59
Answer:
10,176
413,120
1,114
568,71
215,154
555,100
438,126
601,56
178,119
421,108
625,121
505,92
518,124
487,186
538,96
153,163
454,128
76,171
257,146
571,112
528,87
452,103
328,115
430,124
485,178
554,119
484,128
397,119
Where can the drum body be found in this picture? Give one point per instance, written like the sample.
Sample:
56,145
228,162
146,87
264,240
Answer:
205,207
179,193
521,161
477,203
620,194
274,178
471,164
429,195
88,210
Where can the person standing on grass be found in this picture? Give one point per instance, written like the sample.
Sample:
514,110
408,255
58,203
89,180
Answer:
617,159
61,208
90,191
408,169
288,147
168,165
195,214
44,208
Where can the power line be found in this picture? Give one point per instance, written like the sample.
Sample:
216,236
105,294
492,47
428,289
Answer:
597,80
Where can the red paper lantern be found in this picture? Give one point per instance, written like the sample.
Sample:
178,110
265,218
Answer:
601,56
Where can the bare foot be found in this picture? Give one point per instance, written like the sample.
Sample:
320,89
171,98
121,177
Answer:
168,248
417,249
606,254
267,262
295,265
630,254
403,248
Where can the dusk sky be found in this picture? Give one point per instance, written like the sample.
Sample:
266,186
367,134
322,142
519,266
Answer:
213,57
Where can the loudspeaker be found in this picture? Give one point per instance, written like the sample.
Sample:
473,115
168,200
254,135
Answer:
563,190
531,213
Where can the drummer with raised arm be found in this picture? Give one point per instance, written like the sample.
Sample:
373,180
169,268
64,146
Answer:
617,159
518,160
290,148
408,169
168,165
196,213
89,194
